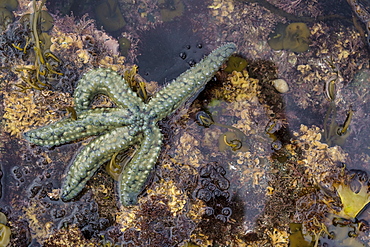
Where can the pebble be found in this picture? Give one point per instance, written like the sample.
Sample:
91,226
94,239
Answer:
280,85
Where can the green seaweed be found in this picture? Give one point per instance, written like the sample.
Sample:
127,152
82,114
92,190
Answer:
236,63
124,46
335,134
4,231
293,37
297,238
109,15
6,17
10,5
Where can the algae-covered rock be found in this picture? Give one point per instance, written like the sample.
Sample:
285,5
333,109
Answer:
293,37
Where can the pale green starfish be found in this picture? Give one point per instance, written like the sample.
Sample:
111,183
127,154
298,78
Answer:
131,122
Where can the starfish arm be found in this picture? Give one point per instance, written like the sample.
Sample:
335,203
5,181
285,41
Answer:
188,84
107,82
88,123
92,156
136,172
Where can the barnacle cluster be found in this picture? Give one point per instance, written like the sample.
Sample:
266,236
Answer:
221,9
175,197
278,238
319,160
329,213
239,87
35,215
90,46
35,109
68,237
141,224
332,65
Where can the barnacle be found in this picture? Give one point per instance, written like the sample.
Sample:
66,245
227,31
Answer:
70,236
239,87
222,9
278,238
34,109
316,161
175,197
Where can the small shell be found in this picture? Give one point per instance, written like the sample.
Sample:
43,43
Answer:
280,85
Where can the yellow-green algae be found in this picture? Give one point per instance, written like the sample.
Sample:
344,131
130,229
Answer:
293,37
109,15
6,17
236,63
4,231
124,45
353,203
297,238
9,4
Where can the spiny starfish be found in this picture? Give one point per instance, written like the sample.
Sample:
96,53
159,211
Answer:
131,122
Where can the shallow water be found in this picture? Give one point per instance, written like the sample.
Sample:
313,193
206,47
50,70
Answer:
269,169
